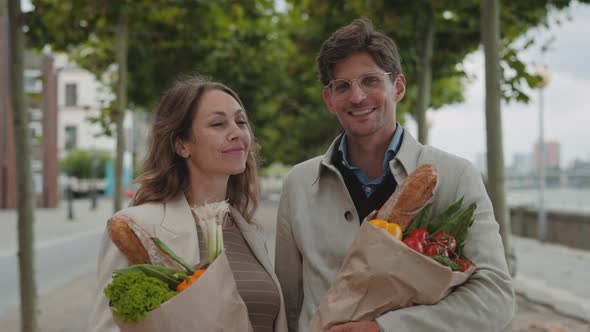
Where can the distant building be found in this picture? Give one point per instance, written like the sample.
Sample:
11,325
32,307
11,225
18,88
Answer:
522,163
579,164
579,173
80,99
552,155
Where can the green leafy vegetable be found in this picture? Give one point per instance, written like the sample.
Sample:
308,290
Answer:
132,295
446,261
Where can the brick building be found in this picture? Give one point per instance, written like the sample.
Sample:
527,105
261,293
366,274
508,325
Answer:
552,155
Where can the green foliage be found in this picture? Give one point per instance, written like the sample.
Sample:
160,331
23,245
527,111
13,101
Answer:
133,295
457,34
268,57
78,163
244,46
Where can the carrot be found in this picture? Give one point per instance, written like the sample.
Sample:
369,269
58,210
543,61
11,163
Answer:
189,281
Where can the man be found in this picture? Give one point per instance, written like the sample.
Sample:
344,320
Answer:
325,199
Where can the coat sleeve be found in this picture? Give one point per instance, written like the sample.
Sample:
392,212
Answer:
288,263
486,301
109,259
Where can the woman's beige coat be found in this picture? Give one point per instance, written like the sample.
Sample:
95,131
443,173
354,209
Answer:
174,224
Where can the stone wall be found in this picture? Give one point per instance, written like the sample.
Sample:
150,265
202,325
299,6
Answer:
565,228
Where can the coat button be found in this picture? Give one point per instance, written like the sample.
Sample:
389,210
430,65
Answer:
348,215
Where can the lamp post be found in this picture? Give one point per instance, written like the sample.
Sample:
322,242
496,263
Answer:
93,186
542,215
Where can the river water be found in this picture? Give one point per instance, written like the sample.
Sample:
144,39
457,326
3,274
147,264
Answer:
556,199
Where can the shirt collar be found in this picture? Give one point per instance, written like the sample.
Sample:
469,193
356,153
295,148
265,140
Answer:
391,151
406,158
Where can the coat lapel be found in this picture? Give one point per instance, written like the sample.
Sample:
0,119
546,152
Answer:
406,160
178,230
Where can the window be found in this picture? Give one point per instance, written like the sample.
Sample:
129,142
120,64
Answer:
32,81
71,94
71,137
35,114
36,130
37,183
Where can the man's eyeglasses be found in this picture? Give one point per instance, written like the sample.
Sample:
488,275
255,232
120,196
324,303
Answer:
368,82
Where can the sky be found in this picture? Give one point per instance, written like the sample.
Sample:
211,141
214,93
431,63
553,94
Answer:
460,128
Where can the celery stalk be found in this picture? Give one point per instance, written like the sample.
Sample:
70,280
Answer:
211,218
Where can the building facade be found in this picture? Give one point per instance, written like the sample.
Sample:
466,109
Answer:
552,155
81,97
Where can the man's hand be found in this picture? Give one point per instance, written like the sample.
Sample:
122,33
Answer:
356,327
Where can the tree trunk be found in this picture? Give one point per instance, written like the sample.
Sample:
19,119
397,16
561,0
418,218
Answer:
28,289
490,36
424,77
121,37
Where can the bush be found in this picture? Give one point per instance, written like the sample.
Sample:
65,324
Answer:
78,163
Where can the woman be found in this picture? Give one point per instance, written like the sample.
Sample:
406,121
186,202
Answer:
201,151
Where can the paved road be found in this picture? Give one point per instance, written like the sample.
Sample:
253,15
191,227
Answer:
65,305
57,263
64,250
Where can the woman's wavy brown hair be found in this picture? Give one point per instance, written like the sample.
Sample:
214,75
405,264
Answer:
164,174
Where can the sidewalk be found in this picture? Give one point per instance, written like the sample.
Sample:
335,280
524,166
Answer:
53,224
554,275
552,284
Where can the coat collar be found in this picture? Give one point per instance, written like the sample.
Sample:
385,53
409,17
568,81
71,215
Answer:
404,162
326,160
178,229
177,215
406,159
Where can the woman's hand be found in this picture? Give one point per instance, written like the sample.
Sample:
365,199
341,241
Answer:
371,326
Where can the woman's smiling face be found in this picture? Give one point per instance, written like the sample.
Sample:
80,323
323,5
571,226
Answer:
220,136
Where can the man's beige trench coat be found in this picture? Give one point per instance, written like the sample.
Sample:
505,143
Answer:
173,223
317,222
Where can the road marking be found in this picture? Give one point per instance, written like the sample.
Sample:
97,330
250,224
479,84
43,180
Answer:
52,242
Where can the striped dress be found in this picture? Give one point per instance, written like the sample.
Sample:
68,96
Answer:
253,282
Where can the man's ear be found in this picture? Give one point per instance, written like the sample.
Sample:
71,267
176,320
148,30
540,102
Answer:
400,87
327,95
180,148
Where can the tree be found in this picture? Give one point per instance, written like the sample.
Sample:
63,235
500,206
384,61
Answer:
78,163
241,46
419,28
121,36
28,289
94,24
490,37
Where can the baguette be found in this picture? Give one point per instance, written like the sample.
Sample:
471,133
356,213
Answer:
410,196
136,244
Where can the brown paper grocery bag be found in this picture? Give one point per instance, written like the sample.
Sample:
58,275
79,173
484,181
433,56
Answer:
380,273
210,304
